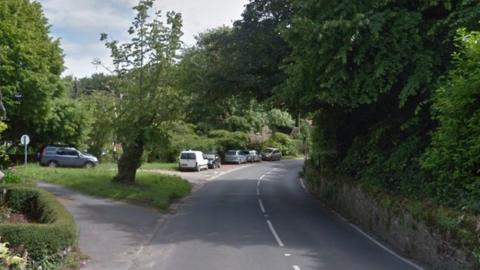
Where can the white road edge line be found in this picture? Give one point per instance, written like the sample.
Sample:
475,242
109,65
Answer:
272,229
296,267
303,184
339,216
416,266
261,206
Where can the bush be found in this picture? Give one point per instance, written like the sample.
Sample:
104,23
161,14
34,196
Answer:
225,140
11,178
453,158
54,232
282,141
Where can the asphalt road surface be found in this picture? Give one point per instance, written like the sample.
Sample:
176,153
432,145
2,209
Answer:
260,218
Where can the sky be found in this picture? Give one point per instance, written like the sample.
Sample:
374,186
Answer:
78,24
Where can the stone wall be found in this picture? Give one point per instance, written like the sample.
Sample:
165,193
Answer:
398,228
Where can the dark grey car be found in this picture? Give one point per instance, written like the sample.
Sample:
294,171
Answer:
54,156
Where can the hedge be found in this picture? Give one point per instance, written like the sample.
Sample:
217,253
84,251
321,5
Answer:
54,232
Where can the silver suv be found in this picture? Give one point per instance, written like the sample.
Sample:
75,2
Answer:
54,156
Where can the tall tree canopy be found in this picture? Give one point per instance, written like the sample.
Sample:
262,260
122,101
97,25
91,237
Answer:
30,66
368,69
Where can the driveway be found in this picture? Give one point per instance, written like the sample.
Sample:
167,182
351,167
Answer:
198,179
113,234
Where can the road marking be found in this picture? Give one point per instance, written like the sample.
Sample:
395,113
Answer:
339,216
228,172
303,184
296,267
386,248
275,235
258,183
258,191
261,177
261,206
288,254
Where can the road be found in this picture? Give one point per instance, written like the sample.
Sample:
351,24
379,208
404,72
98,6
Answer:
260,218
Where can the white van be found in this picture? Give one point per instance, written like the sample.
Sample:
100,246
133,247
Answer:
192,160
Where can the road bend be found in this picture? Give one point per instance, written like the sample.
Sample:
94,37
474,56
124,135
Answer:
258,218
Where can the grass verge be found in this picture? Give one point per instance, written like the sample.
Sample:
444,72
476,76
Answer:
151,189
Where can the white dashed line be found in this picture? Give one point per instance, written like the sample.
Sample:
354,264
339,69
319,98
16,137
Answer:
272,229
296,267
288,254
387,249
261,206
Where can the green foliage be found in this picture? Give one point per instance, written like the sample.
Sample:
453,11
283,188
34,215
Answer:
9,260
453,159
70,122
282,141
101,136
55,232
11,177
225,140
368,71
30,66
145,84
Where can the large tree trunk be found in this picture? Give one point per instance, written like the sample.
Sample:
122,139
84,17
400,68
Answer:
129,163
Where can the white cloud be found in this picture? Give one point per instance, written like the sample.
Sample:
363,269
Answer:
78,23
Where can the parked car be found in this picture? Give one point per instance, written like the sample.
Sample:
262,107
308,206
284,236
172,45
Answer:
54,156
253,156
214,160
192,160
271,154
235,156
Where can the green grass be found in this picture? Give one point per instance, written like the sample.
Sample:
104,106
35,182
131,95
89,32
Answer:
146,166
160,166
152,189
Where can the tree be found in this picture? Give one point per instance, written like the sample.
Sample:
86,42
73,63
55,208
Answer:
30,66
231,66
368,69
145,84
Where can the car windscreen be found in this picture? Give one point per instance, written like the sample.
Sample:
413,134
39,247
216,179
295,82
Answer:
267,151
231,152
187,156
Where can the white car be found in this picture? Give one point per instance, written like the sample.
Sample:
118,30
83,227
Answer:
192,160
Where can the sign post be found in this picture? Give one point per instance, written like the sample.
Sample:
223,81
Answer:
25,140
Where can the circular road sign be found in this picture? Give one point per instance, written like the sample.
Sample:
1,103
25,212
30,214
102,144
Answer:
25,140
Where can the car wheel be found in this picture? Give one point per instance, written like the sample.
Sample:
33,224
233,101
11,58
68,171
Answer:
89,165
198,168
52,164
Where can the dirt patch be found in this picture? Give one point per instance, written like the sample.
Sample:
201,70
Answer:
18,219
8,216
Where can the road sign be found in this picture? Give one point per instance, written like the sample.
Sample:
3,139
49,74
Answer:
25,140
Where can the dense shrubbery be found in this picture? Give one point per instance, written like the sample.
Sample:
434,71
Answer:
285,143
453,160
55,231
369,72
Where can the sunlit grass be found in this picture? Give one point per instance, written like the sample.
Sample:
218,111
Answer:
151,188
